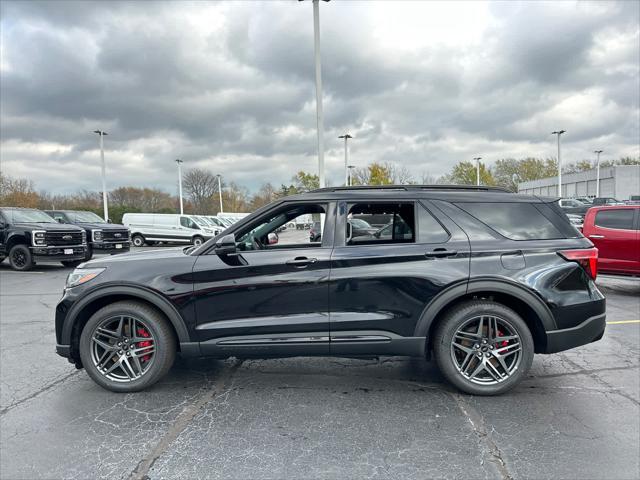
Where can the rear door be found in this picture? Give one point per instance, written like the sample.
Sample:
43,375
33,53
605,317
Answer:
381,283
614,234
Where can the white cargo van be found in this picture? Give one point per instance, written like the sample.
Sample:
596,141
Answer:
161,227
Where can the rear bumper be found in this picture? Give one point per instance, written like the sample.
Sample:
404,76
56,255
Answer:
591,330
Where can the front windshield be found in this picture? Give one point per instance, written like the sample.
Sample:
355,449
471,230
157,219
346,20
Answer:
201,221
85,217
17,215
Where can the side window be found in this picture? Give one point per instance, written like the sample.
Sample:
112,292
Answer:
516,221
188,223
59,217
380,223
429,229
621,219
293,226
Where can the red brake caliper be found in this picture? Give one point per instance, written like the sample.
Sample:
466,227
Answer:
142,332
504,343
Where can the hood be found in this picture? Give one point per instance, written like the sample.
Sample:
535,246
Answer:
144,256
48,226
101,226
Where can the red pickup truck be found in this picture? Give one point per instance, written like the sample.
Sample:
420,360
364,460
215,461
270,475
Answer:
615,231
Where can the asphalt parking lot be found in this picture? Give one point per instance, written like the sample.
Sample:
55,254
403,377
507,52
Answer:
576,416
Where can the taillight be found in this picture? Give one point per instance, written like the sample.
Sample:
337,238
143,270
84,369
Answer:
587,258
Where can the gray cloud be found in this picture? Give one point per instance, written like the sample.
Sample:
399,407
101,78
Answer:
229,86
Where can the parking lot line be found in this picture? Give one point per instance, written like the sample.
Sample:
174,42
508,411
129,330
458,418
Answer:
620,322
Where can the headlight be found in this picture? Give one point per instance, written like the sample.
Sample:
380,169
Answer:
82,275
84,237
39,238
97,235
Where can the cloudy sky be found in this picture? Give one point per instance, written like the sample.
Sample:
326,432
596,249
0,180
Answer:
230,86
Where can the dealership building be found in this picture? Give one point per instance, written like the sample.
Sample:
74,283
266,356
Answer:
619,181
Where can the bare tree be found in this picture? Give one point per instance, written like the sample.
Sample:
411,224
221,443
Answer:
200,186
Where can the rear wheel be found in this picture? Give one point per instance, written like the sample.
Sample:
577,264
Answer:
137,240
127,346
20,258
483,347
88,254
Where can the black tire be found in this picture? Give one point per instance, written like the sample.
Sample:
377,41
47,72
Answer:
161,330
88,255
455,319
137,240
20,258
72,263
197,240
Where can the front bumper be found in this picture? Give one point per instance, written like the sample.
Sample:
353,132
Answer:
58,253
110,247
591,330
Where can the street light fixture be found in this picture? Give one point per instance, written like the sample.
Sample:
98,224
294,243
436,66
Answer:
598,152
220,192
105,208
346,137
477,159
179,162
319,111
350,169
558,133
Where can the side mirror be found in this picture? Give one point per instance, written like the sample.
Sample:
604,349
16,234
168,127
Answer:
226,245
109,220
349,232
272,238
60,220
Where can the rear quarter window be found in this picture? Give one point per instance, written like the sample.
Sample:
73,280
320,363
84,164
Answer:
516,221
620,219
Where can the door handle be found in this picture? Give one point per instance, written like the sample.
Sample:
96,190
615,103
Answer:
596,236
441,253
301,261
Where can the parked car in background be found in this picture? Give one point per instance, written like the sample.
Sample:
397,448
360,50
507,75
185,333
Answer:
480,281
162,227
576,220
585,200
360,228
633,200
315,233
605,201
615,231
28,236
102,237
571,205
217,222
204,220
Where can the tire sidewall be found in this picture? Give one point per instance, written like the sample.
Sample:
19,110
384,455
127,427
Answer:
164,349
458,316
29,262
137,238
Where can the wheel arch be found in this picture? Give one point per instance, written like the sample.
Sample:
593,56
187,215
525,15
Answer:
16,239
80,313
531,308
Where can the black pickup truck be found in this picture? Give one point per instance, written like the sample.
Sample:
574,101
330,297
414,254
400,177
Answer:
28,236
102,237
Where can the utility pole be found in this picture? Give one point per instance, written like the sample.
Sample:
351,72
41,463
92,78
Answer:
597,152
477,159
220,192
346,137
350,168
105,208
179,162
558,133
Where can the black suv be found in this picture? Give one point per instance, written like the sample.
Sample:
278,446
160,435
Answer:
477,278
28,236
103,237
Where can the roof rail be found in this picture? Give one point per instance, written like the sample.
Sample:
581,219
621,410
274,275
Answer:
473,188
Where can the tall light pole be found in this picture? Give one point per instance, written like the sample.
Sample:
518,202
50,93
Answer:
346,137
477,159
597,152
179,162
105,208
319,112
220,192
350,168
558,133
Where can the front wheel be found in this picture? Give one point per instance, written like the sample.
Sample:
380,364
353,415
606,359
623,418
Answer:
20,258
127,346
483,347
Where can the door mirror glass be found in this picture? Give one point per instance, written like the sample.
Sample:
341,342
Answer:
226,245
272,238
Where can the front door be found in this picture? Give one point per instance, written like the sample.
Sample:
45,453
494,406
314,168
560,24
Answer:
381,282
271,296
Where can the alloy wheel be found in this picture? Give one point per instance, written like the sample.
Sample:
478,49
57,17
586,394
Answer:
19,258
486,350
123,348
